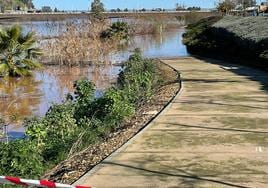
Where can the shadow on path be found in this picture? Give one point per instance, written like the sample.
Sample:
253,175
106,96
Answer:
251,73
185,175
222,104
209,80
215,128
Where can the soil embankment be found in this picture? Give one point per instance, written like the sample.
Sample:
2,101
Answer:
230,37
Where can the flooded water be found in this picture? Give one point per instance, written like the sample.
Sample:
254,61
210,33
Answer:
32,96
166,45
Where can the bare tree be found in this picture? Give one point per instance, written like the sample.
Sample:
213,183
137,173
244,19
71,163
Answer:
226,6
97,8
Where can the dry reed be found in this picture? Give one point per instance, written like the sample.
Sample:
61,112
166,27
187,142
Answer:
78,43
153,25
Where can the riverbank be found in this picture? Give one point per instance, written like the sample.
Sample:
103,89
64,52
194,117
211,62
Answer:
83,120
77,165
232,38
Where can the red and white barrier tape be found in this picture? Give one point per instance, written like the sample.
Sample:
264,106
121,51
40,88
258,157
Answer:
38,183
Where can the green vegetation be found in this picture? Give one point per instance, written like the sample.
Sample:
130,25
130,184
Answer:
118,31
197,35
20,157
231,37
15,4
80,121
18,54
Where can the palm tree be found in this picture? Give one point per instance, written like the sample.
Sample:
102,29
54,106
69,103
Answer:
18,52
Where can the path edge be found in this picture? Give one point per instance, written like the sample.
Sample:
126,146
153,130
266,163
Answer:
84,177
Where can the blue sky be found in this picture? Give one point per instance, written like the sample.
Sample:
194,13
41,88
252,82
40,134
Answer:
111,4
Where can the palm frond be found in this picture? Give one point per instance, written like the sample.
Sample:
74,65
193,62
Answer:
14,32
4,69
21,71
35,52
31,64
3,33
3,39
27,37
27,41
18,53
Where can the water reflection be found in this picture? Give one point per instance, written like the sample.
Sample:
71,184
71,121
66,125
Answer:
167,44
32,96
19,96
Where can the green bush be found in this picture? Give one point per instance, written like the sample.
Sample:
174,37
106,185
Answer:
20,158
139,78
119,108
84,91
118,31
55,132
197,38
80,121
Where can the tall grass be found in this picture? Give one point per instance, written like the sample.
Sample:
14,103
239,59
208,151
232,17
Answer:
153,25
79,43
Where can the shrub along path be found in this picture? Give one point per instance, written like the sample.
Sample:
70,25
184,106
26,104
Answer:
214,134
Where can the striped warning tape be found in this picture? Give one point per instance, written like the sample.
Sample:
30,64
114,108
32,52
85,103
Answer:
37,183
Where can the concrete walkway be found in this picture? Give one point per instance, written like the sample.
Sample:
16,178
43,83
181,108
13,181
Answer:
215,134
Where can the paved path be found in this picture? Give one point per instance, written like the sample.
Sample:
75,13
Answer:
215,134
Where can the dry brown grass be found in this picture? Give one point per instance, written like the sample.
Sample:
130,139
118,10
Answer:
153,25
78,43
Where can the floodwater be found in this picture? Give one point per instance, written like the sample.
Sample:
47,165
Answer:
166,45
32,96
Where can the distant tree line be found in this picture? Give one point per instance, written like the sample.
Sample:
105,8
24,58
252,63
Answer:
227,5
15,4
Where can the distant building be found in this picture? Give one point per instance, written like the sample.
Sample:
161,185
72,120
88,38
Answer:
46,9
